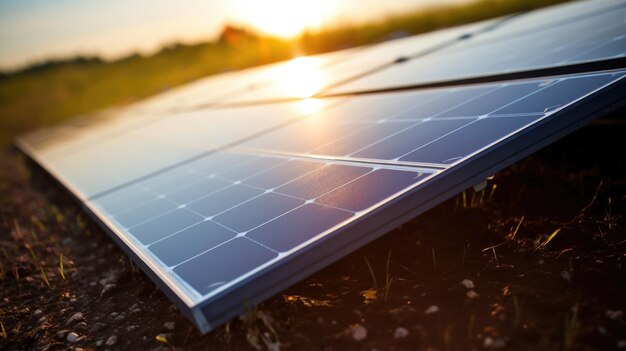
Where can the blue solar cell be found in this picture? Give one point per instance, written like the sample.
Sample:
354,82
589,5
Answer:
191,242
370,189
362,138
224,199
163,225
223,264
197,189
287,171
468,139
447,100
410,139
557,95
257,211
296,227
492,100
249,169
321,181
145,210
120,201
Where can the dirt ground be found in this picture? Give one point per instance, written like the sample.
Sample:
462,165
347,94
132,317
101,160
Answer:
535,261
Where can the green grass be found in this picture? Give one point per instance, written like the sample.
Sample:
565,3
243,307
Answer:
54,93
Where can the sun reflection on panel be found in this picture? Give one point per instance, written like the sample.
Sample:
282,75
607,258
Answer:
301,77
309,106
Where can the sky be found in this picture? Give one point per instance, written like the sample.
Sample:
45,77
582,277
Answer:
35,30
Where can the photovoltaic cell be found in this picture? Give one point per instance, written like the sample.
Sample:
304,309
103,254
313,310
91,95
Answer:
223,204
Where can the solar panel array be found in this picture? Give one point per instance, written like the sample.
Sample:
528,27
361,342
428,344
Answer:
247,169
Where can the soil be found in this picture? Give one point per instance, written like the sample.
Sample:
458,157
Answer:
538,262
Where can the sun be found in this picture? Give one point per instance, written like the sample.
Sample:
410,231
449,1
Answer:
284,18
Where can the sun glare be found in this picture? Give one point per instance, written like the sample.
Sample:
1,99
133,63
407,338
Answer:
284,18
300,77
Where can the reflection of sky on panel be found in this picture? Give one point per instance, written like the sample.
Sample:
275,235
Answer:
126,156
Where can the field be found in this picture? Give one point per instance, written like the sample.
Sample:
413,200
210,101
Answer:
535,260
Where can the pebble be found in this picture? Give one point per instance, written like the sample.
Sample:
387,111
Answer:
37,312
107,288
42,319
121,317
468,284
471,294
432,309
72,337
400,333
566,275
614,314
61,334
112,340
131,328
493,344
135,308
97,327
169,325
76,317
99,343
358,332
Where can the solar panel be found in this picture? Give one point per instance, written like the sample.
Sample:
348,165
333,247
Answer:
225,204
597,35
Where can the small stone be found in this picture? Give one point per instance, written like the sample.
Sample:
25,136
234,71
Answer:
169,325
566,275
42,319
357,313
493,344
400,333
76,317
37,312
131,328
61,334
468,284
112,340
432,309
121,317
614,314
472,295
107,288
358,332
72,337
135,308
99,343
97,327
